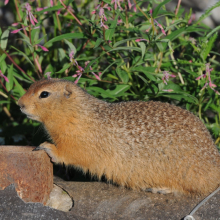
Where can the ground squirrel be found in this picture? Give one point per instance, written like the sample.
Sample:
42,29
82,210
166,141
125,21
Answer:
140,145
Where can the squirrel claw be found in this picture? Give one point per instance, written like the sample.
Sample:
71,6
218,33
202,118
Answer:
37,148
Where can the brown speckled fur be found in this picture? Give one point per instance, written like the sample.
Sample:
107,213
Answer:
136,144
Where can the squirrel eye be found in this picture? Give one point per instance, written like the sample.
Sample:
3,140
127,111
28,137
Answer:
44,94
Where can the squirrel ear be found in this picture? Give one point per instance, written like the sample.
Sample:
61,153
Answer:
67,91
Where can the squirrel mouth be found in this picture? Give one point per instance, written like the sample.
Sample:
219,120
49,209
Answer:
29,115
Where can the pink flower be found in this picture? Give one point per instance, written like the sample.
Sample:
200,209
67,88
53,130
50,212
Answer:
202,76
48,75
102,15
135,9
14,24
6,2
51,3
32,19
168,90
79,73
130,6
17,30
103,25
193,17
166,76
119,21
117,4
193,40
58,12
208,82
138,40
160,26
156,23
40,9
80,70
96,76
43,48
71,56
70,9
1,74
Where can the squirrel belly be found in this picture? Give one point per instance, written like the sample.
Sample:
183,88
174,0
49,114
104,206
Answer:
135,144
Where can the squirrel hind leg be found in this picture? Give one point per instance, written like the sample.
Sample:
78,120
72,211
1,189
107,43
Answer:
159,190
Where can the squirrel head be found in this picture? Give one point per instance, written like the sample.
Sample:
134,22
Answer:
50,99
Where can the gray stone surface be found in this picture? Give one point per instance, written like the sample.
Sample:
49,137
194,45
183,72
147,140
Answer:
13,208
102,201
98,200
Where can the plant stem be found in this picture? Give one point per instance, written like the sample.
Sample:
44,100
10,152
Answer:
6,89
70,12
9,57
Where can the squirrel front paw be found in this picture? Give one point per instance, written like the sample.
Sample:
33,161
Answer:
50,149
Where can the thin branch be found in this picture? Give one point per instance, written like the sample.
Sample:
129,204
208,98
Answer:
18,66
70,12
6,89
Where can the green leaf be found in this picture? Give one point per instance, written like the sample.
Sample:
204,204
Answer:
146,70
110,32
207,12
71,46
61,54
2,58
112,76
126,48
161,46
28,43
4,39
5,102
116,61
34,34
214,107
208,104
23,54
143,48
173,86
39,40
119,90
101,91
179,96
213,31
18,88
21,76
123,75
124,41
54,8
156,10
98,42
66,36
204,53
66,66
9,85
144,80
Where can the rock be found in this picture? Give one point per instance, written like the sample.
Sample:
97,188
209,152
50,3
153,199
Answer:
14,208
99,200
59,199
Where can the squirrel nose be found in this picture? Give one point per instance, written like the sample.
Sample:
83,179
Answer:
20,103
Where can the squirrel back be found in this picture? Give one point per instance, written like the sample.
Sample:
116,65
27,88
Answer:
135,144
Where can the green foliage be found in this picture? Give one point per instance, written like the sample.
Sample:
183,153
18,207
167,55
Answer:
139,55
